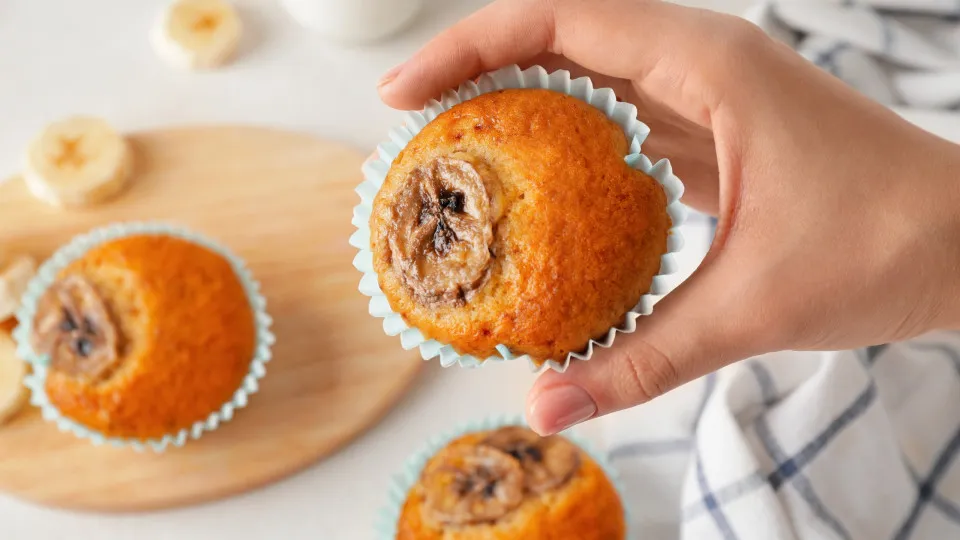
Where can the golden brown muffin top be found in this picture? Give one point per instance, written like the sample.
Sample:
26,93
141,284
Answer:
513,219
146,335
511,483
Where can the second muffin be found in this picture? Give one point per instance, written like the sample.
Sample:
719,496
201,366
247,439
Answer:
146,335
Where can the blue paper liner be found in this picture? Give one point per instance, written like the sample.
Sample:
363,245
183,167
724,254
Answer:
75,249
375,172
387,519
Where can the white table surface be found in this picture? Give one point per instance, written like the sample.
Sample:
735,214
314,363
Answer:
93,57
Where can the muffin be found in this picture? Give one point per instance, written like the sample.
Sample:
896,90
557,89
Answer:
510,483
145,335
512,219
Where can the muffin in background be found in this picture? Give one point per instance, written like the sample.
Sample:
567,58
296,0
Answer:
508,483
144,337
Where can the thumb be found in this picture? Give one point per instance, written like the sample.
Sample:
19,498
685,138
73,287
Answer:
704,324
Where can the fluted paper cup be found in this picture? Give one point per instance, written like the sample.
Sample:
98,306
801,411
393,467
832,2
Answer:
375,172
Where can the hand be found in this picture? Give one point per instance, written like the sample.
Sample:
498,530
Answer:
839,222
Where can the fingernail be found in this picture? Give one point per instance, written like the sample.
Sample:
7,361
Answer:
561,407
389,76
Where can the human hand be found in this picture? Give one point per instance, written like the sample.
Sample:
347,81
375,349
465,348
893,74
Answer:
838,223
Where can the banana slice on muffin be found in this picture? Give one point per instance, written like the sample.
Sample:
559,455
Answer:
472,484
444,230
74,327
513,220
547,462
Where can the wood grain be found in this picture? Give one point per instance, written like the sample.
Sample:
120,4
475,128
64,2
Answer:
282,201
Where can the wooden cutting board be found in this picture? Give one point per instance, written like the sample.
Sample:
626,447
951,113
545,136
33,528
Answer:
283,202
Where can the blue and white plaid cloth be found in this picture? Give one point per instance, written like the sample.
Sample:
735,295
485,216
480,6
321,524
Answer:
903,53
851,445
844,445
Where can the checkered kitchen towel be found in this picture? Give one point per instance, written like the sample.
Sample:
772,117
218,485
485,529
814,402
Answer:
852,445
902,53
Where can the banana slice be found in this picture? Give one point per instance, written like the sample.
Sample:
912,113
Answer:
14,277
445,216
471,484
13,393
77,162
198,34
547,462
73,326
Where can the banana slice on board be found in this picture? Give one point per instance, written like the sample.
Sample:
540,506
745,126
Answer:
13,394
15,274
77,162
198,34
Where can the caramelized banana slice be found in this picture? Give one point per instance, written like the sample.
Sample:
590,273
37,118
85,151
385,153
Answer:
443,232
548,462
74,327
472,484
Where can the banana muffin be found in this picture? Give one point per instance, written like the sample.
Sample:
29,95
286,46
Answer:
512,219
511,483
145,335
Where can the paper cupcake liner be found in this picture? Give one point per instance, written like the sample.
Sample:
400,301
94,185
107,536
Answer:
387,519
375,172
75,249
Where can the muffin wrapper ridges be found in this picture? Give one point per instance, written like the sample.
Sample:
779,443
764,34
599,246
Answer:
75,249
401,484
375,172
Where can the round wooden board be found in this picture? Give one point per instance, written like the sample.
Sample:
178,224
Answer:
282,201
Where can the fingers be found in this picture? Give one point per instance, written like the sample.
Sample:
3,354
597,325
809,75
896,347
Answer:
703,325
657,44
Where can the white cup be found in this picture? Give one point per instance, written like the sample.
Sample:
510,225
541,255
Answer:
353,21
